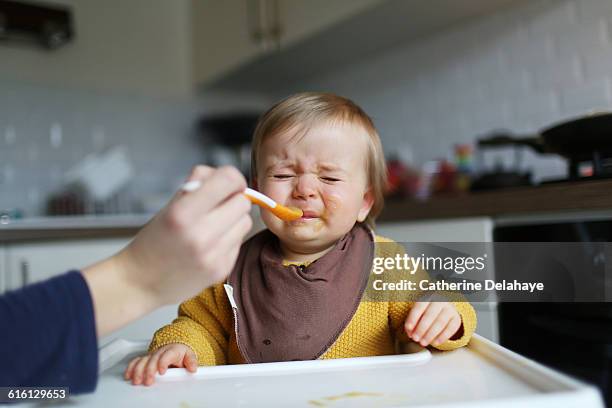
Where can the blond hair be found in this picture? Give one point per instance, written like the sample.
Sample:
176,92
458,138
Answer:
304,110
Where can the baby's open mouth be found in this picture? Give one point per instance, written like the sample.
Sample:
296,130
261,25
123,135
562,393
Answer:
309,215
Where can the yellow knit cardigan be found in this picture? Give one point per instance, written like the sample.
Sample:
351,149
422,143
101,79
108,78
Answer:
206,324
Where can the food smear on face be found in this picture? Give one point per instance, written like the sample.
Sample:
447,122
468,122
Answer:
332,203
310,219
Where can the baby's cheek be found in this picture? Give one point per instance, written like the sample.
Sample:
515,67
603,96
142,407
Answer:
333,204
269,220
275,192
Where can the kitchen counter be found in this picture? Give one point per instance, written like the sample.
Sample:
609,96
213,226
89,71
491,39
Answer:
593,195
547,198
72,227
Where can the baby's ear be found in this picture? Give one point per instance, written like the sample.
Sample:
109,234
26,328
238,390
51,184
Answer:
366,205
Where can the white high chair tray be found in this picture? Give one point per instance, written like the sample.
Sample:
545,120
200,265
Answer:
482,374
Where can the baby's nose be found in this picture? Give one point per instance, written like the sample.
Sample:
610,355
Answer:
306,187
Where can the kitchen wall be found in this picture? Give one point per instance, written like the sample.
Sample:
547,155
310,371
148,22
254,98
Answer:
125,80
158,132
521,69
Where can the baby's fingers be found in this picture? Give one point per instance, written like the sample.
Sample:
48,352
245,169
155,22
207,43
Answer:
139,368
190,361
169,357
427,319
130,368
438,326
449,331
414,316
151,369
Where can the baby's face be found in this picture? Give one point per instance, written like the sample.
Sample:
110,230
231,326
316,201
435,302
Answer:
324,174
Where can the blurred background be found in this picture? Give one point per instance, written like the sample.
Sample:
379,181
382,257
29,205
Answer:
105,105
494,116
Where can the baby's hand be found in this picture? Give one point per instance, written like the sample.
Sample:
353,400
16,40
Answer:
432,322
142,370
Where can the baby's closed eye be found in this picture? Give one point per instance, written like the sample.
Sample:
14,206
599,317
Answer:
282,176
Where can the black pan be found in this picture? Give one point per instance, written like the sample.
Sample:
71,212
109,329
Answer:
580,138
588,138
234,129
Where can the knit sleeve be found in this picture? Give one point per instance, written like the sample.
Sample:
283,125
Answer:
204,324
398,311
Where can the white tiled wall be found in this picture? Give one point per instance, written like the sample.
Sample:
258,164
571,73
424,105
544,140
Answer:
521,69
159,134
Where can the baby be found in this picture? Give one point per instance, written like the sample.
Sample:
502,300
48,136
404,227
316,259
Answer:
296,290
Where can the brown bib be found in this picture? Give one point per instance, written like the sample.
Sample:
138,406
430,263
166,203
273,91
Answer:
292,312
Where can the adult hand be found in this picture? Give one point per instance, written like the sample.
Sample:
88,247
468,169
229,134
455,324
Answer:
190,244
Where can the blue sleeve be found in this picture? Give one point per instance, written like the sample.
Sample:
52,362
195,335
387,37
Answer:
48,335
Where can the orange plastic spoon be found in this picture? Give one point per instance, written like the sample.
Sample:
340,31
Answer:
262,200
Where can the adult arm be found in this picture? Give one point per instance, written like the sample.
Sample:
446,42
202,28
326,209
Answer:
48,335
190,245
49,329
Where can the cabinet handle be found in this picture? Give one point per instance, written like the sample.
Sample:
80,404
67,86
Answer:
275,30
25,272
254,20
263,21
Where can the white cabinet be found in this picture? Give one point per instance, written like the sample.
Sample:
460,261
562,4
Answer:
222,37
299,19
29,262
478,229
309,38
228,34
